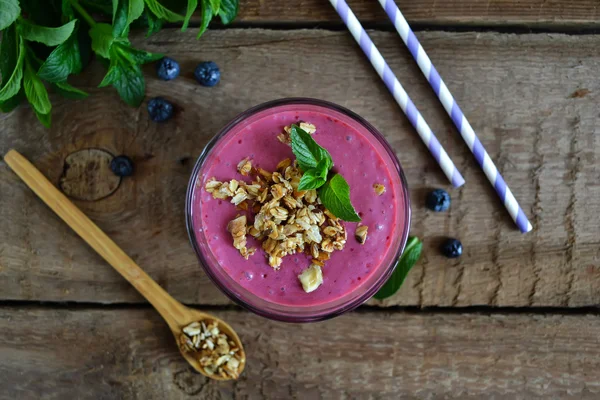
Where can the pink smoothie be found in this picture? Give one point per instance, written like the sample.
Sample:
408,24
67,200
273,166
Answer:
357,155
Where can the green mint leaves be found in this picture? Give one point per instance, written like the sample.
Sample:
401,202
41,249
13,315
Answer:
124,13
62,30
409,258
102,39
227,11
62,62
308,152
36,91
163,12
124,72
11,68
316,177
24,73
335,195
207,16
316,163
42,34
10,12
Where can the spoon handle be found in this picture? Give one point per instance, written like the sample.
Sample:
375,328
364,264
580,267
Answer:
171,310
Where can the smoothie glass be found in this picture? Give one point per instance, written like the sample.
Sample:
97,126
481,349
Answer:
228,278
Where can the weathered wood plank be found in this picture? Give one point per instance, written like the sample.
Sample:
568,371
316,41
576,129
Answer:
493,13
516,90
130,354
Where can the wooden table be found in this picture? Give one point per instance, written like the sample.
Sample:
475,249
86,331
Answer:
515,317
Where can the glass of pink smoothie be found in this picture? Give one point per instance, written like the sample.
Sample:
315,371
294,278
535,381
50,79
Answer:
352,275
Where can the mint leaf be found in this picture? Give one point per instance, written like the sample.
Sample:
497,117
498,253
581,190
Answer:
154,23
67,10
68,91
191,7
314,178
228,10
45,119
409,258
162,12
207,15
135,56
36,92
124,13
10,12
308,152
125,74
9,52
12,82
102,39
215,5
112,75
12,103
131,85
335,196
43,34
63,61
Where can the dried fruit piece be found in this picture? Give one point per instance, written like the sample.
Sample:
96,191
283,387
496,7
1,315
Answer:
361,233
311,278
308,127
379,188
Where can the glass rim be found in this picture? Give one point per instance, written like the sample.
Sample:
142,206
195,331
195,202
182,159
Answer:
282,315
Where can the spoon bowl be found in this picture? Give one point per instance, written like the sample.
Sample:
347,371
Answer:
175,314
193,315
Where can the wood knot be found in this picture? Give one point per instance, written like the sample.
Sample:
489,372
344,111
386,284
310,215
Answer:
87,175
189,381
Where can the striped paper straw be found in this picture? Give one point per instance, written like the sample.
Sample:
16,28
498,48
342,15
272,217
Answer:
400,95
454,111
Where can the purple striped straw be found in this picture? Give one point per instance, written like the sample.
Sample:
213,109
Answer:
454,111
400,95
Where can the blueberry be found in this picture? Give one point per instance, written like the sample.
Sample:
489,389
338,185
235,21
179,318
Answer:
207,73
438,200
452,248
122,166
167,69
160,109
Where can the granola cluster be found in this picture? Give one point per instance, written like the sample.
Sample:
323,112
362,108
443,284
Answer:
286,220
217,353
307,127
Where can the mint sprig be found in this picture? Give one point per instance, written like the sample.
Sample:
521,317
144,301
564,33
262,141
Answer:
316,163
308,152
62,30
409,258
314,178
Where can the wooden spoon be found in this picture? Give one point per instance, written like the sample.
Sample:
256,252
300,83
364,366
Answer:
173,312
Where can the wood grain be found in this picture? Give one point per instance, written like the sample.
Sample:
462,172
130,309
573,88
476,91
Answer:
551,14
516,91
129,354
